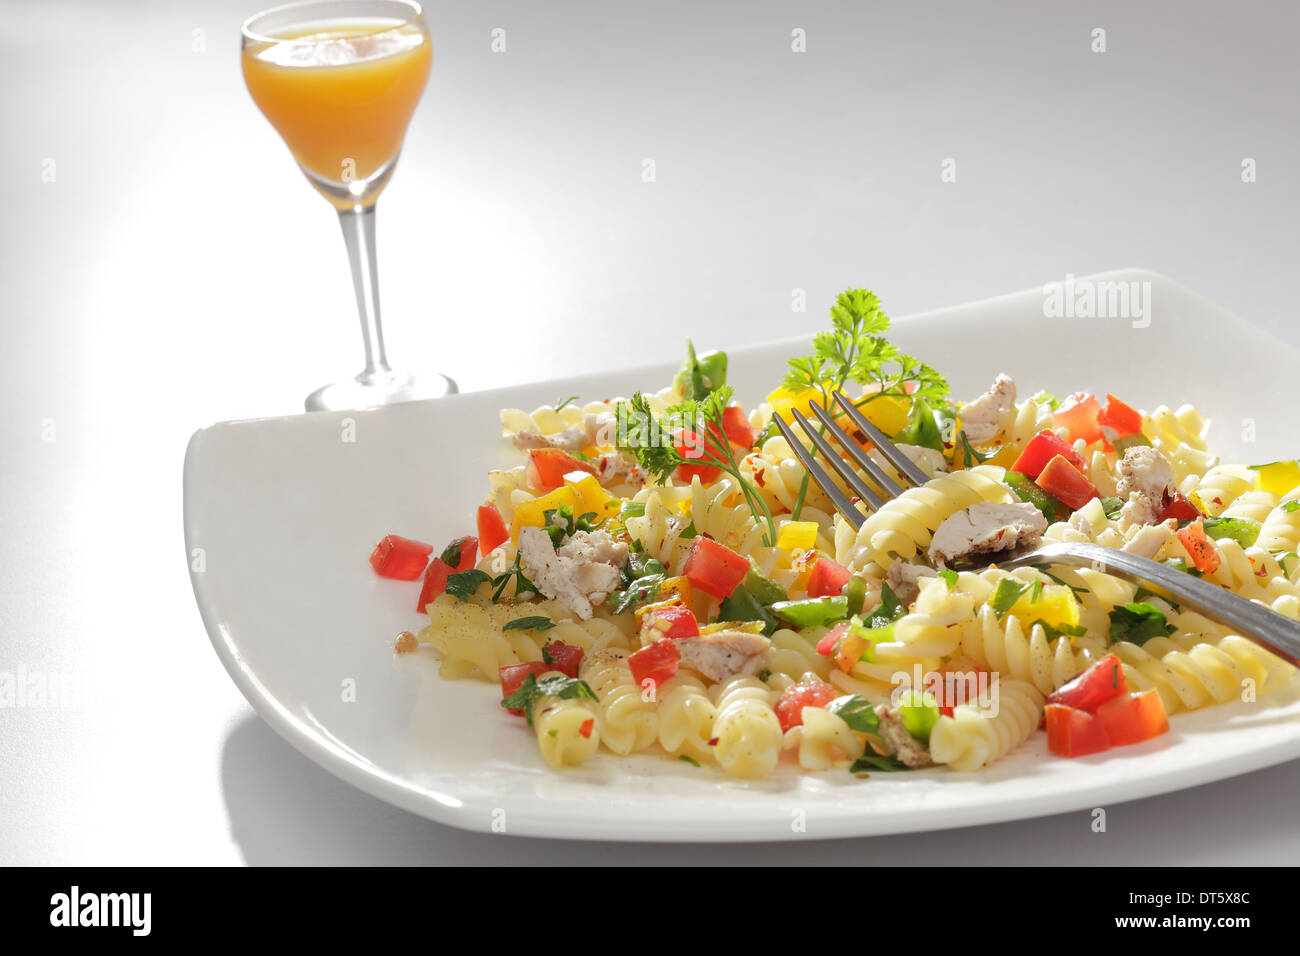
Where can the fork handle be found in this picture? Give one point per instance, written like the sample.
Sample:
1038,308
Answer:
1252,621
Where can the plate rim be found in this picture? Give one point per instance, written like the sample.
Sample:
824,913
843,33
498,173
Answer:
448,809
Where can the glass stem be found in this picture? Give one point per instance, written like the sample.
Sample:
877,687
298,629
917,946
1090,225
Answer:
359,233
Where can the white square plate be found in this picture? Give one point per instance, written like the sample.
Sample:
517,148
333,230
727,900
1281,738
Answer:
281,514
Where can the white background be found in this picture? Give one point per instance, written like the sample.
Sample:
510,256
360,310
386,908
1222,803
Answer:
178,271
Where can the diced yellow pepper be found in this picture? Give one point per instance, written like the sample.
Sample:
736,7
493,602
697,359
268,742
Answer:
1056,606
594,497
849,650
797,536
749,627
782,400
1279,477
887,412
673,591
533,513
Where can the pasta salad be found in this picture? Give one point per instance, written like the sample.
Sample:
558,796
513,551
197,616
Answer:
658,573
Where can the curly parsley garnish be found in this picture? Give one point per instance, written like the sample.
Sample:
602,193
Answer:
856,350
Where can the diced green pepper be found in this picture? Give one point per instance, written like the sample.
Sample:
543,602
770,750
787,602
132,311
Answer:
763,588
1125,442
921,429
855,592
1025,489
919,712
812,612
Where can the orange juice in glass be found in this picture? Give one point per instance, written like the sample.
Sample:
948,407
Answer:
339,80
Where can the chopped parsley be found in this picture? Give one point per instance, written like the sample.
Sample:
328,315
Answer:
1137,622
465,584
950,578
561,524
687,758
565,688
533,623
855,711
871,761
1008,592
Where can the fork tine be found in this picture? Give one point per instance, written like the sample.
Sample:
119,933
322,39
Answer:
854,451
833,459
842,501
905,466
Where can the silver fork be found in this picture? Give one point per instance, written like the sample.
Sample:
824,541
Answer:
1253,621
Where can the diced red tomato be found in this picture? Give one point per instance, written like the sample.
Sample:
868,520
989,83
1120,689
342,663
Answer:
400,558
1078,416
832,637
1062,480
656,663
1199,547
673,621
714,568
492,530
1134,718
691,446
1041,449
827,578
565,658
1180,508
586,728
1118,419
464,551
435,582
737,427
789,709
513,675
1074,733
548,466
1101,682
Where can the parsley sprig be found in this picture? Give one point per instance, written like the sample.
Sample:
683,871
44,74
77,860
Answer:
856,350
651,439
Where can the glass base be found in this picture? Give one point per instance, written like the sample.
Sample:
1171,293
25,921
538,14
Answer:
379,388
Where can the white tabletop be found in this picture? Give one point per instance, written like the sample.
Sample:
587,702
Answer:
165,266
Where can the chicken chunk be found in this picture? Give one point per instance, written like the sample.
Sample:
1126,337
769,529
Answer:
987,528
596,429
1151,539
927,459
724,654
981,417
1146,480
580,574
904,578
906,748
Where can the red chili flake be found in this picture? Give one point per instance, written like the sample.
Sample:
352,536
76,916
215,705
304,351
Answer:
758,477
585,729
713,741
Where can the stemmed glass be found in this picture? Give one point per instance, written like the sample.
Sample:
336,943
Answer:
339,80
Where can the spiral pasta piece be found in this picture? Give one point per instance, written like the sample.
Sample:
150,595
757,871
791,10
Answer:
747,735
1219,486
794,654
628,721
686,717
823,740
1281,528
906,524
568,731
971,739
1003,646
1190,675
